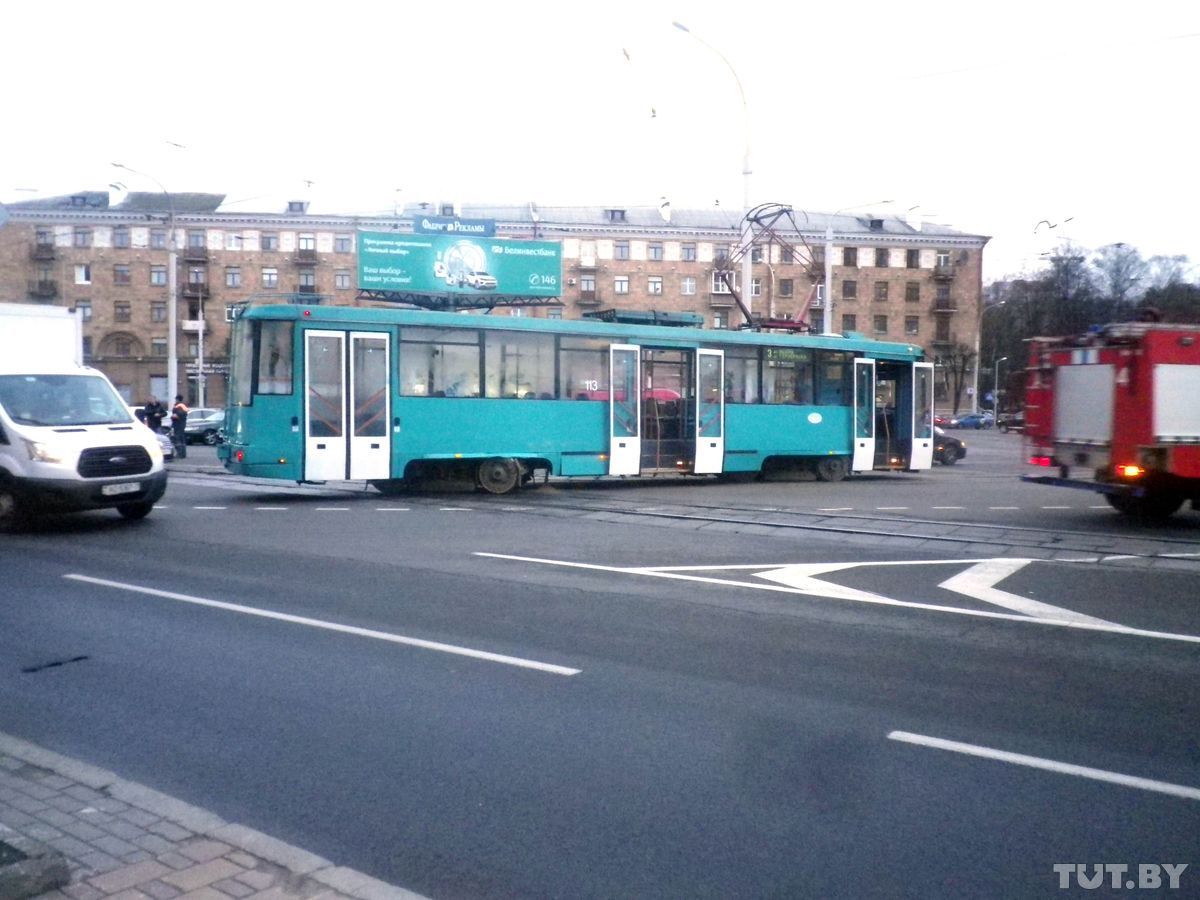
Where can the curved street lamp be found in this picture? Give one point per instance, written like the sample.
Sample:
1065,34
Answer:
996,387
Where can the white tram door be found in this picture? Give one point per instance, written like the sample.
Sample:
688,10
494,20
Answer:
370,407
324,406
922,426
710,412
864,416
346,406
624,410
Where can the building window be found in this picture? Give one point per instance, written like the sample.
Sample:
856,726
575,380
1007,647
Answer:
308,282
912,324
912,292
654,285
82,237
718,282
122,347
121,237
687,286
881,258
299,206
787,256
193,347
818,256
621,250
87,345
197,275
121,274
849,322
341,280
233,276
850,257
785,287
83,308
158,239
943,293
912,259
616,215
621,285
943,330
720,321
195,240
881,324
654,250
688,252
83,273
158,346
587,283
158,312
820,293
755,287
270,278
881,291
307,242
343,243
121,311
44,237
756,254
849,289
158,275
943,259
270,241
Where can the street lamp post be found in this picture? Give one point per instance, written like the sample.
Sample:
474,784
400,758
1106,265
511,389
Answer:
996,387
983,311
747,239
172,288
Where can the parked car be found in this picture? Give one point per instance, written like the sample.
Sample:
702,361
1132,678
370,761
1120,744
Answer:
1011,421
204,424
945,421
947,449
168,449
976,420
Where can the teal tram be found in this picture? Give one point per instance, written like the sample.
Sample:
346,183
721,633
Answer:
395,396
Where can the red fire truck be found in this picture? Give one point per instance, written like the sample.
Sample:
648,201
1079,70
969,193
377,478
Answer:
1117,411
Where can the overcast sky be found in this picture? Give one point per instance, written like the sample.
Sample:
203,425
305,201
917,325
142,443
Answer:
989,118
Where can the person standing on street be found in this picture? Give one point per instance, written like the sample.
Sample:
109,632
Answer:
179,414
155,412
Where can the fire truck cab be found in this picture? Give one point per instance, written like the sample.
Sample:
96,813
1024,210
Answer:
1117,411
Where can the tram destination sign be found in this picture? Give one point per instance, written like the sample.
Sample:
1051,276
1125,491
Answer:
458,264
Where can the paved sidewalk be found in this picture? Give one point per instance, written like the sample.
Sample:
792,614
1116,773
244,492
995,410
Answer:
124,840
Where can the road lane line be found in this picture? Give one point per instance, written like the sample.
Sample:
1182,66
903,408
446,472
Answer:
879,600
210,507
332,509
1048,765
270,509
331,626
391,509
947,507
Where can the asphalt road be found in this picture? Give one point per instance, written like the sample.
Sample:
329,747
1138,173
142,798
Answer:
545,695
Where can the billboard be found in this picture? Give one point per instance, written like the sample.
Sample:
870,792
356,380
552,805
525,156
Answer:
452,264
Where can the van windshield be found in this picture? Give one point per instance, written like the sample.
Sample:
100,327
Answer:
61,400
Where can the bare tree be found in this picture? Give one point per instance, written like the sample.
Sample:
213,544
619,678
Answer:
954,367
1165,271
1121,272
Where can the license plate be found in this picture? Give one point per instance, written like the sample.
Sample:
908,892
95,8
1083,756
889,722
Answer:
110,490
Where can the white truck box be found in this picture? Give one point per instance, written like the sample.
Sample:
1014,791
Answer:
67,440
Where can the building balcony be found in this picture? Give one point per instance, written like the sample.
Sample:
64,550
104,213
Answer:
943,272
305,257
43,290
945,306
942,341
306,289
586,264
192,325
195,291
721,301
194,254
589,298
42,252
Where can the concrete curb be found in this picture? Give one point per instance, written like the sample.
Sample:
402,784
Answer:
46,869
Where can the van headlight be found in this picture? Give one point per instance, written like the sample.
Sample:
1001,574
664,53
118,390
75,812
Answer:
46,453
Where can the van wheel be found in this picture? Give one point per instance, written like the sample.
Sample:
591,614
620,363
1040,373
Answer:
498,476
12,514
138,510
832,468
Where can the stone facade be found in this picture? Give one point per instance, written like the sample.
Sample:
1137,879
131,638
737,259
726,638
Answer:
891,280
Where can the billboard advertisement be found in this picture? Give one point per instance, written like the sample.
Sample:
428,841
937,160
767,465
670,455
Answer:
453,264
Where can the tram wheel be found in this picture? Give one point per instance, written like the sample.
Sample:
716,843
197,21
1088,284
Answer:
498,476
390,487
832,468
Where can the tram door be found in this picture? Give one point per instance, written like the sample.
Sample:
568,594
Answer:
710,412
864,416
922,431
346,406
625,410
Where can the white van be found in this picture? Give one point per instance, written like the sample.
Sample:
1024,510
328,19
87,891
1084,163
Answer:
67,440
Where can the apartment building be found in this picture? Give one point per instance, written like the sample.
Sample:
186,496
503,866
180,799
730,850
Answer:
892,279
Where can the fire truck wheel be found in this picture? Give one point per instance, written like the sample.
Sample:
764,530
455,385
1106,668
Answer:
1153,506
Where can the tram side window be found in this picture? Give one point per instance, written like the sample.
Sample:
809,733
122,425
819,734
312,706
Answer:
833,378
583,368
242,350
741,375
439,362
788,375
519,365
275,358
